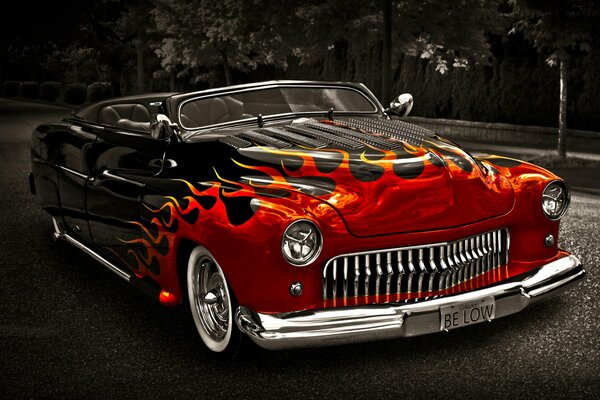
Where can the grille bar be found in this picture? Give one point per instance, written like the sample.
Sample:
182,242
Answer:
420,270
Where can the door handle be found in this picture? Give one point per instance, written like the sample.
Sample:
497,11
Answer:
107,174
163,164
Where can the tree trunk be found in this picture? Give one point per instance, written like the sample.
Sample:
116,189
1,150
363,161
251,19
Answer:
115,79
562,111
387,52
140,66
226,69
227,74
172,80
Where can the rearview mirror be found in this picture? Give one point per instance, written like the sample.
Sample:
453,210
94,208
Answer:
401,105
161,127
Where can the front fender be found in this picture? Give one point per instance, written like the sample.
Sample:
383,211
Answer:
243,231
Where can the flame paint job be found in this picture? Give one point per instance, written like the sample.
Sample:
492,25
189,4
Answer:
238,202
318,184
382,192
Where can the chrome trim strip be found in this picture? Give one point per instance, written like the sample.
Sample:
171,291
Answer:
325,282
107,174
345,278
73,172
60,234
361,253
335,279
385,321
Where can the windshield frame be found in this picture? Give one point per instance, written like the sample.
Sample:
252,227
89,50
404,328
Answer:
215,93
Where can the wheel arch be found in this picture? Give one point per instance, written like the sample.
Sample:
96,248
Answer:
184,250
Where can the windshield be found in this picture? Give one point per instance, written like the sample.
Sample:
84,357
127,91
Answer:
208,111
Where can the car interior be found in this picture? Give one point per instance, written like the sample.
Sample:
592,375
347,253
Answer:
128,116
130,113
210,111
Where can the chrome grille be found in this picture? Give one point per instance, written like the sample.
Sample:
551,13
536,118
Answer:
426,270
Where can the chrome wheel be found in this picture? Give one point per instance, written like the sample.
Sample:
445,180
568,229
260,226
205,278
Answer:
210,300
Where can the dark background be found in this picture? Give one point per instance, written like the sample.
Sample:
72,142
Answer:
472,60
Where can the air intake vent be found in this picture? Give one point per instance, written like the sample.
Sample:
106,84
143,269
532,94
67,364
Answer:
371,140
235,142
294,138
321,135
265,140
400,130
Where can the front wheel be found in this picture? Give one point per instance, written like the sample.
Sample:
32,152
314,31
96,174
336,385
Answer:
212,303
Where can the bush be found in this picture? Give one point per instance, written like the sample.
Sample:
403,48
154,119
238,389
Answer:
29,90
75,93
50,91
11,88
99,91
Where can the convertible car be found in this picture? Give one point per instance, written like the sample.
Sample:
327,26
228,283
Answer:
301,213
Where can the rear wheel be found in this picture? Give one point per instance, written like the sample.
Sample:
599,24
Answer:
212,303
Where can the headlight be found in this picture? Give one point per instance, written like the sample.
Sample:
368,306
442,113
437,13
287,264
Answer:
301,243
555,200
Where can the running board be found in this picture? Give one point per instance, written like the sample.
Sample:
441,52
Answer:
59,234
146,285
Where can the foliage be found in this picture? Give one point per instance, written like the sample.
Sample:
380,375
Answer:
81,63
557,28
518,87
200,36
50,91
75,93
29,90
560,28
448,33
204,35
11,88
453,56
99,91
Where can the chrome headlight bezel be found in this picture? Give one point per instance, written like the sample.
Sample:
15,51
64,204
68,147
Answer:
565,195
314,236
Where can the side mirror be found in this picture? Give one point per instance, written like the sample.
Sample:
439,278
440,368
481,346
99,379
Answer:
161,127
401,105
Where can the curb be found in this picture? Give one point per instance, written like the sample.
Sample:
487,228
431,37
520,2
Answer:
592,191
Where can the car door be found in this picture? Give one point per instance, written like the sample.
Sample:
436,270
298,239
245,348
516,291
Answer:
121,162
73,168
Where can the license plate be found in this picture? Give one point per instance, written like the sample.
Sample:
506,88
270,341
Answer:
463,314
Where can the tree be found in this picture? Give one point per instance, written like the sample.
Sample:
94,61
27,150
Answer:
443,32
135,23
81,60
337,35
562,29
205,34
116,30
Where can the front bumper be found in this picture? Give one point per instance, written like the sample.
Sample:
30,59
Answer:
335,326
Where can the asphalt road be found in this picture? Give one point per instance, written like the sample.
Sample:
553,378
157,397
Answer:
70,329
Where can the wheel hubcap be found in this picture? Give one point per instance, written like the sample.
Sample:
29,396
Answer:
212,302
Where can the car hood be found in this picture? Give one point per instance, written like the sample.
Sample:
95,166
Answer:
382,177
